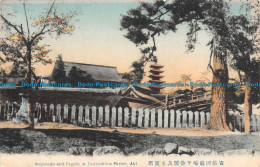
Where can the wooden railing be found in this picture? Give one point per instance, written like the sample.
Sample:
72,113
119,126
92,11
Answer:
122,117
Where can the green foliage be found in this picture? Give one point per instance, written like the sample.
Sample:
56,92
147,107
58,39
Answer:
229,32
246,46
150,20
14,71
138,71
17,71
233,97
128,77
200,91
3,74
59,73
160,17
76,75
183,92
185,79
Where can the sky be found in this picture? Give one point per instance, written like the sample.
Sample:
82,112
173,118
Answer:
97,39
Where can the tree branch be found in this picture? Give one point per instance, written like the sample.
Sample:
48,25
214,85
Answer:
15,28
26,17
161,14
21,27
153,48
16,51
10,24
44,26
35,76
2,60
211,53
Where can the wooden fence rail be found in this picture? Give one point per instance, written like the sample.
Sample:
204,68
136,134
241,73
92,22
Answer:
123,117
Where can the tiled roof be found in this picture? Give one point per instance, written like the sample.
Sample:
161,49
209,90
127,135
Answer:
98,72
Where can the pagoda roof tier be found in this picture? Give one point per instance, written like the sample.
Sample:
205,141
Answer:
157,71
156,66
156,76
157,81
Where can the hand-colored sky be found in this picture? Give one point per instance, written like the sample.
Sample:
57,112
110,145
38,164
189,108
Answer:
98,40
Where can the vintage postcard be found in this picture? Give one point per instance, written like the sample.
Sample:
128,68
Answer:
145,83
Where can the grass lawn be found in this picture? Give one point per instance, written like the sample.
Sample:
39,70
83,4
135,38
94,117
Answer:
14,140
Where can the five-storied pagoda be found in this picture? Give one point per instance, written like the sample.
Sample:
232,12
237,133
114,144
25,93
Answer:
155,70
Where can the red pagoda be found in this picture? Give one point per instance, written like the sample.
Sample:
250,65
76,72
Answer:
155,70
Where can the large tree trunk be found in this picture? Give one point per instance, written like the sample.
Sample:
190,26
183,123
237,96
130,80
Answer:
29,89
247,106
218,115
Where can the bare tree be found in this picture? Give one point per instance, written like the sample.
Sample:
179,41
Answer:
21,43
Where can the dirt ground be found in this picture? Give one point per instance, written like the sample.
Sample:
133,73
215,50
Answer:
59,137
159,131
